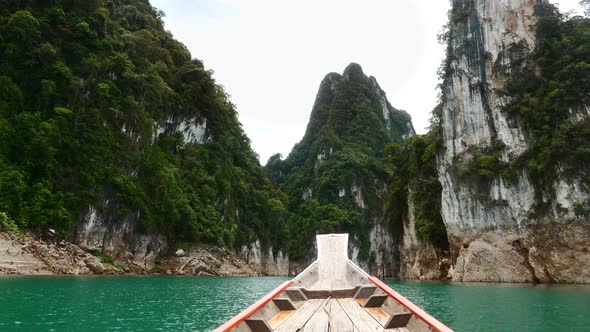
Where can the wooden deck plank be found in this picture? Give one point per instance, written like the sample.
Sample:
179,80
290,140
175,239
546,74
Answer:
320,321
279,318
339,321
357,314
298,319
379,314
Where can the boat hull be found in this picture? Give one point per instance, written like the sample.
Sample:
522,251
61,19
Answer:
333,294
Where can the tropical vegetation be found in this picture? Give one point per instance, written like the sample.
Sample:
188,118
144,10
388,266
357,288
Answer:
86,88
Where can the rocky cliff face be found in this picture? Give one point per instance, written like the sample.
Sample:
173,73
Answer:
334,177
100,229
114,136
419,258
265,262
494,232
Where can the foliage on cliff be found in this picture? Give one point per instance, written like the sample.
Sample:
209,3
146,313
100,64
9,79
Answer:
550,99
415,180
553,97
336,177
83,86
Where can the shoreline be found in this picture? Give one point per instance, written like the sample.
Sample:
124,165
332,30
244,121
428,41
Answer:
26,255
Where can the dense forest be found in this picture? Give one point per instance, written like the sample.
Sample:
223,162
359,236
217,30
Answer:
337,177
101,106
551,100
92,95
549,93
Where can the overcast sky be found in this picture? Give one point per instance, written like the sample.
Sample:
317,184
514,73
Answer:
271,55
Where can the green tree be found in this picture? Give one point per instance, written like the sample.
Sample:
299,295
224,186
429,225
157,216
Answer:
94,99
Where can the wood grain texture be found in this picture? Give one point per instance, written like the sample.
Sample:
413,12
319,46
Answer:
339,320
398,320
376,301
279,318
332,260
284,304
320,321
379,314
298,320
258,325
344,293
365,291
296,294
357,314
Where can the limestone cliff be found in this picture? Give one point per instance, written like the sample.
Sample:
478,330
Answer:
112,135
495,228
335,177
420,258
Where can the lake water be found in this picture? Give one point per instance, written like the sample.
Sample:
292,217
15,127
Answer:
202,303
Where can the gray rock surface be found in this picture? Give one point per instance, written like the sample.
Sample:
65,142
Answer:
494,233
94,264
419,258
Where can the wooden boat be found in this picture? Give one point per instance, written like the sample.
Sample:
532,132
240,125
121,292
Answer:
333,294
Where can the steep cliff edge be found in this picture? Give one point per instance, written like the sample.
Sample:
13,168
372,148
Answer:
115,137
514,210
336,178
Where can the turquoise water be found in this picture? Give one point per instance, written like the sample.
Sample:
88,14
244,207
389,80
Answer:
502,307
202,303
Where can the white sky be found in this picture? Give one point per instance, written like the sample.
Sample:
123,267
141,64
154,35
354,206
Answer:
271,55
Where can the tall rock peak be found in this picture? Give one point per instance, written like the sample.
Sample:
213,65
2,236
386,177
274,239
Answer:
489,41
494,232
333,175
353,71
332,107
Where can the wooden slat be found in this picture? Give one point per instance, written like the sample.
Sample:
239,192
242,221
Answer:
298,319
376,301
284,304
326,293
332,261
365,291
379,314
421,314
279,318
343,293
258,325
317,294
360,318
339,321
320,321
398,320
296,294
230,324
